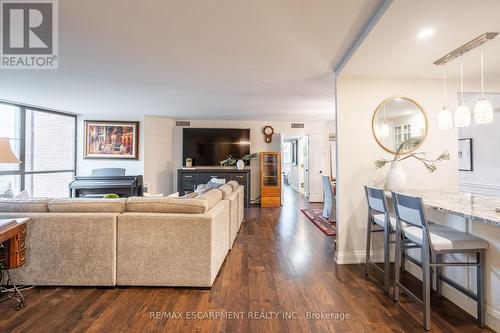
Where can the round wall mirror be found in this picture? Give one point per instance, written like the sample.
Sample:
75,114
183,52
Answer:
399,123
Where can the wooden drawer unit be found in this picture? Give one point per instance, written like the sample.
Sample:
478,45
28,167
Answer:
13,238
270,201
18,249
20,258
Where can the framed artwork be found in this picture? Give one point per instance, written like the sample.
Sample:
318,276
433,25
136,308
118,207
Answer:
465,154
111,139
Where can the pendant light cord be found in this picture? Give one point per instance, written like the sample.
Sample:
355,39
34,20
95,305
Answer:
444,85
462,79
482,72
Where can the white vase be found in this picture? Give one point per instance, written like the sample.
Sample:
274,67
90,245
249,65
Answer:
240,165
396,178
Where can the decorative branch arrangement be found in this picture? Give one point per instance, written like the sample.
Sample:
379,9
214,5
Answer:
231,160
430,164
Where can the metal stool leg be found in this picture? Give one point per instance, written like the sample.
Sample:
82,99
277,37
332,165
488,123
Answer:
480,289
439,271
397,263
368,244
403,260
387,262
426,281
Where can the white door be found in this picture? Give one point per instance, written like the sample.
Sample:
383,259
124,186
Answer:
306,167
315,168
282,145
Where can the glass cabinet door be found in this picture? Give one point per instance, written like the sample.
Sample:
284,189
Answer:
270,170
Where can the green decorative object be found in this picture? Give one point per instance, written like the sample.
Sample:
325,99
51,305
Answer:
430,164
231,160
111,196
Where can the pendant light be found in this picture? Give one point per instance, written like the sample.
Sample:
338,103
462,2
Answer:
445,118
483,111
384,129
462,114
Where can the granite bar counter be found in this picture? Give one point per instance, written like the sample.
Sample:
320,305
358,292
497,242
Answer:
475,207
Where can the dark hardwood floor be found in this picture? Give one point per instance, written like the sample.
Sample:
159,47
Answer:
281,263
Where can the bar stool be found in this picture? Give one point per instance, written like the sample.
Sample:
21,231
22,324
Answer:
435,240
378,215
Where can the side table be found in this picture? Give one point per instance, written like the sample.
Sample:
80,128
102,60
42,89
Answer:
12,256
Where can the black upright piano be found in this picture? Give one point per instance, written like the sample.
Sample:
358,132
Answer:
104,181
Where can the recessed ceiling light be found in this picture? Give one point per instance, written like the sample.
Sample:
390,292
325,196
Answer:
425,34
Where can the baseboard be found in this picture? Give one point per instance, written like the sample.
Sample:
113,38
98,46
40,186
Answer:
462,301
357,257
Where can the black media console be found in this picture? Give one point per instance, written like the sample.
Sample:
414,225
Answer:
188,179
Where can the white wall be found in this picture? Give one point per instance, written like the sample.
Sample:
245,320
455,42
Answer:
257,143
485,177
357,99
158,154
85,166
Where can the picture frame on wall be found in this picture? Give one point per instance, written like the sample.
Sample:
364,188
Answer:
111,139
465,158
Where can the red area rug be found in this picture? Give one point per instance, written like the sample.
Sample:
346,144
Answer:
316,216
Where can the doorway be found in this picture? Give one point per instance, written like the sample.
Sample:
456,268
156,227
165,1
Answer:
295,171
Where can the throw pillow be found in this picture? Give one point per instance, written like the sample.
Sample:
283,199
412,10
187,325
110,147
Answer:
23,195
215,183
6,190
200,187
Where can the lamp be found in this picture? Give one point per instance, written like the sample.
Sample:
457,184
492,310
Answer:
445,118
483,111
462,114
6,154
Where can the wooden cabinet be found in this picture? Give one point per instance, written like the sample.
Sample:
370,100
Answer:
270,179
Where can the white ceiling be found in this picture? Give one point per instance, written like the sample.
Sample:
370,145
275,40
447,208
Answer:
221,59
392,49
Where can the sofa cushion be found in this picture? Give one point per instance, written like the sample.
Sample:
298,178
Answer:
212,197
233,183
226,190
190,195
167,205
25,205
81,205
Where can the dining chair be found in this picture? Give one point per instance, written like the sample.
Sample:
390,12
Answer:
379,220
329,202
435,241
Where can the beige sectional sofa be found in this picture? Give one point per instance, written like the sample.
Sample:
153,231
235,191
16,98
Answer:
135,241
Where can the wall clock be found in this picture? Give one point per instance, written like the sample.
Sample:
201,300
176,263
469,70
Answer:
268,133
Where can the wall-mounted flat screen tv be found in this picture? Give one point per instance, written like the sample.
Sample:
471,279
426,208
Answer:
209,146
